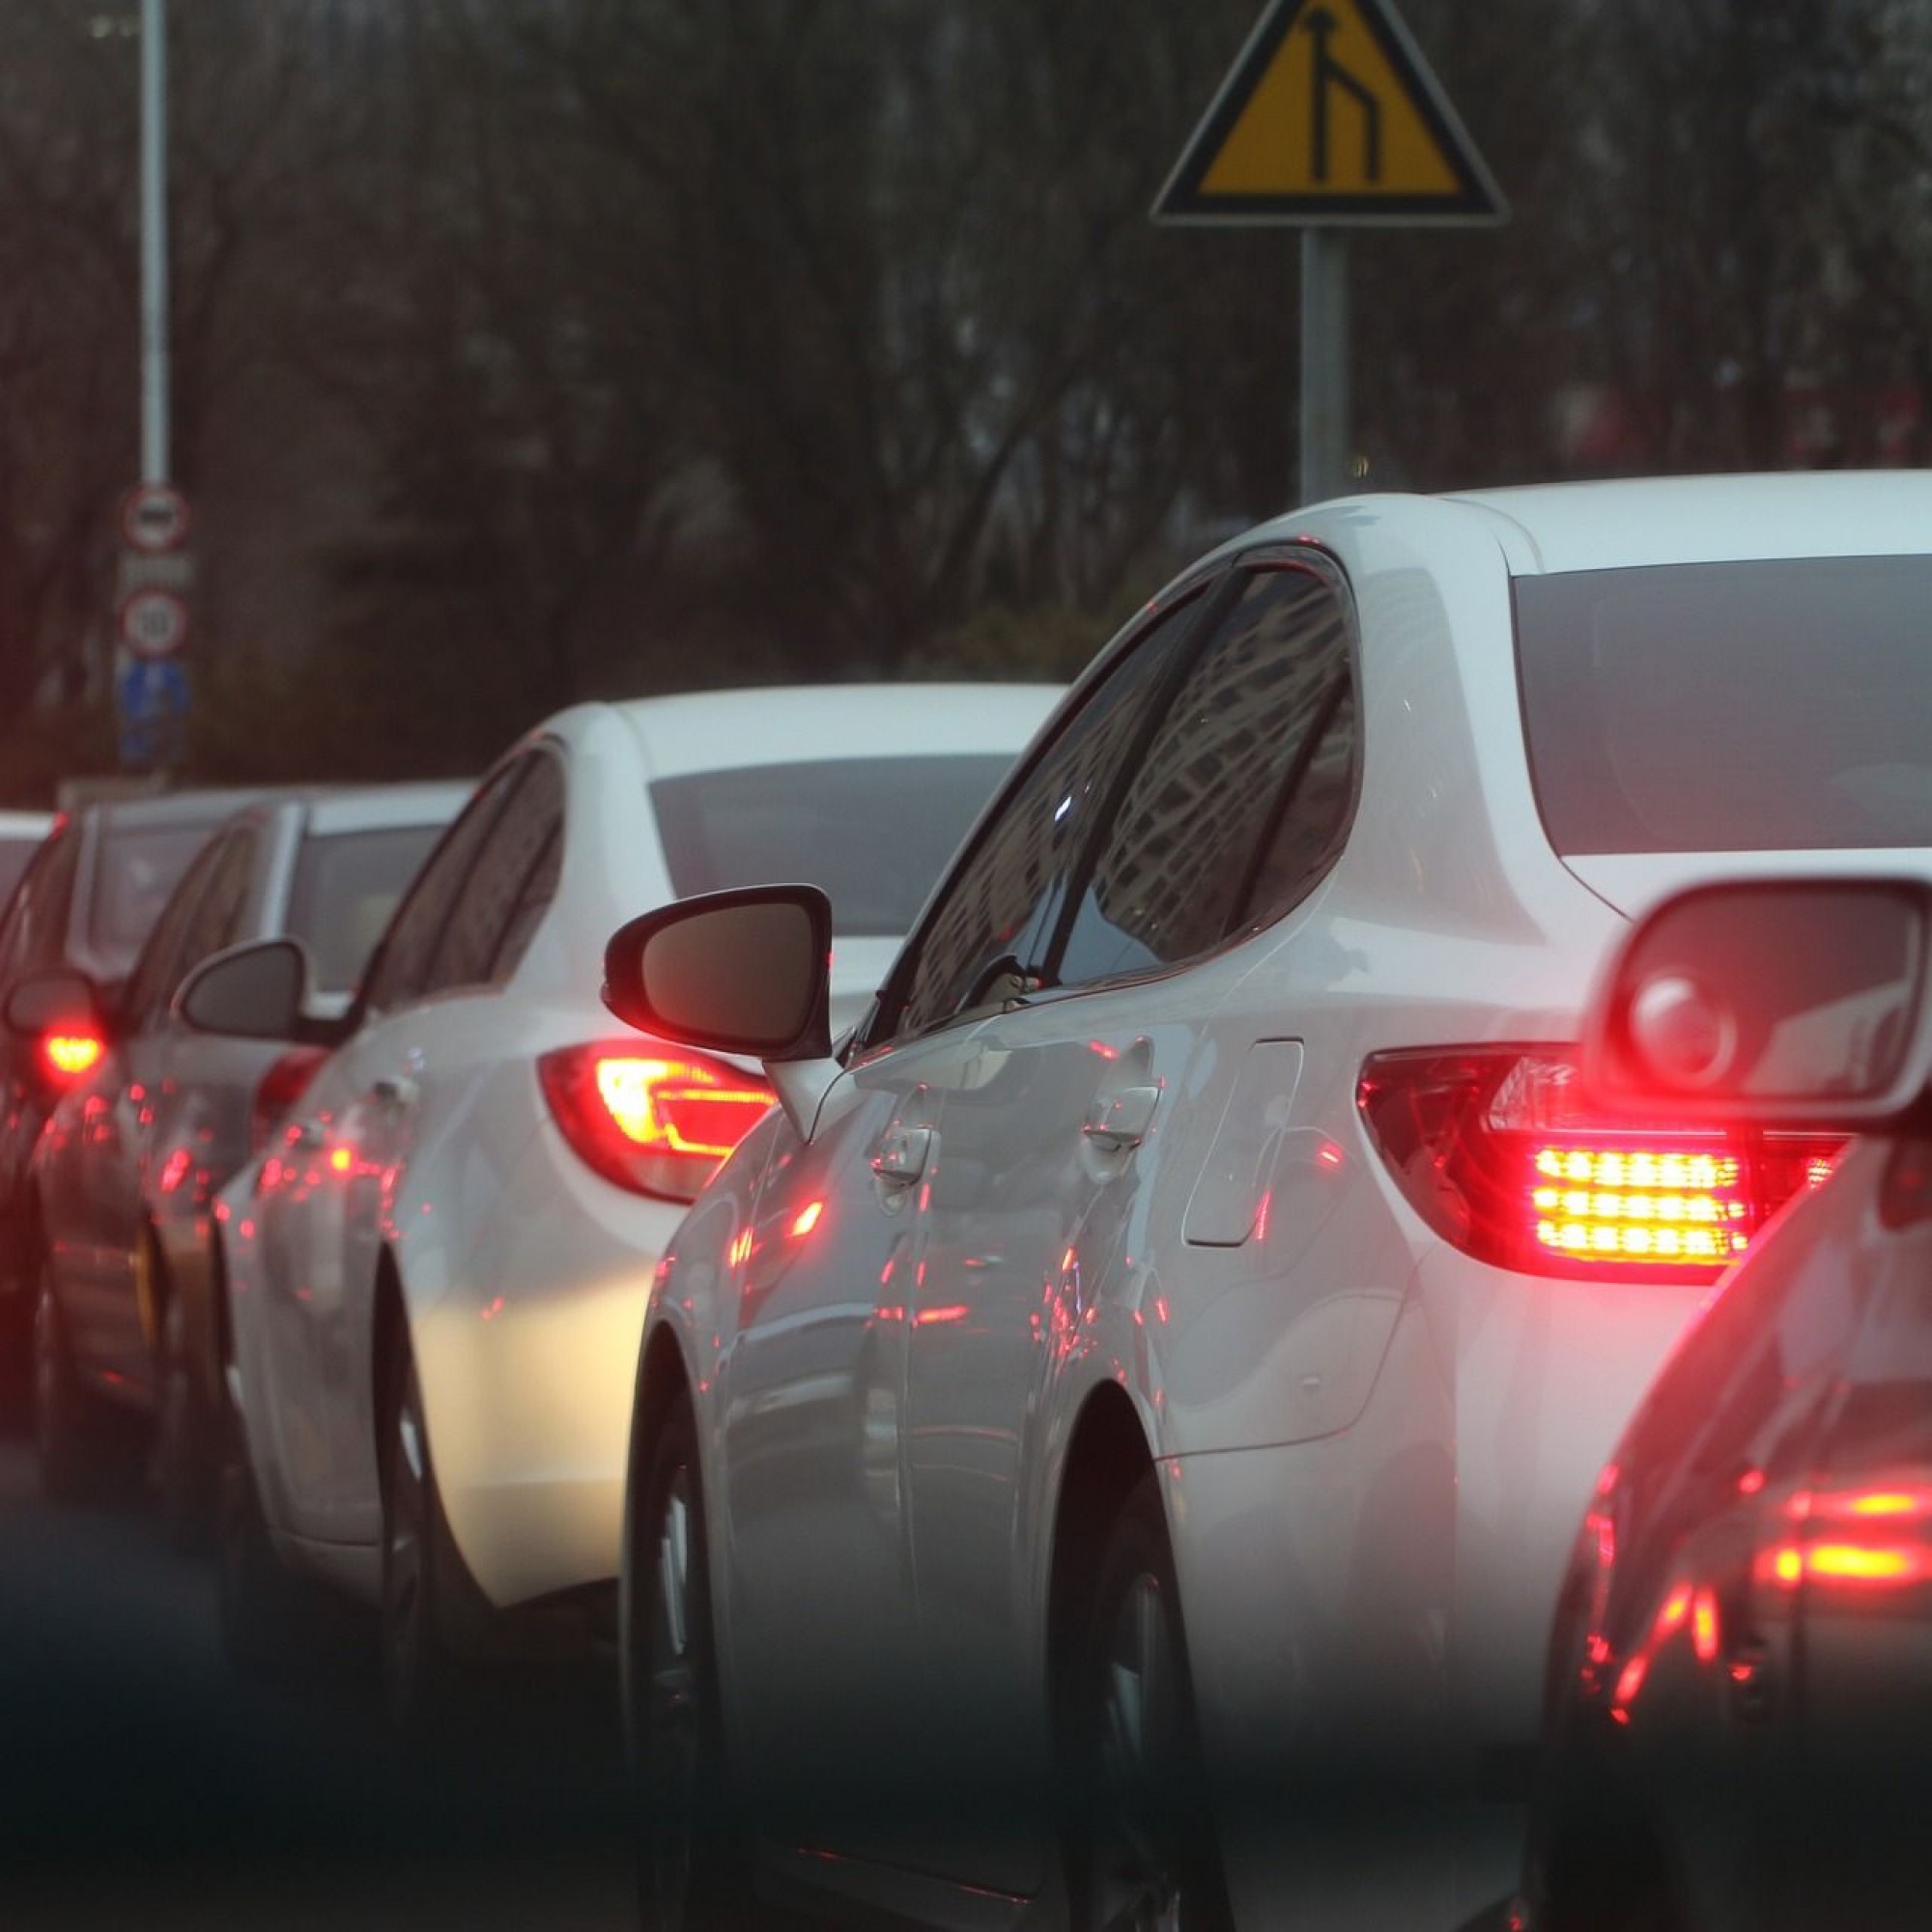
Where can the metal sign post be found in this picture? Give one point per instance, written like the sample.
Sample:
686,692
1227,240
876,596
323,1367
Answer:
1329,119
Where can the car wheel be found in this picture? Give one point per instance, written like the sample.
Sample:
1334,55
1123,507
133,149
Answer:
74,1436
691,1849
186,1467
1138,1843
426,1686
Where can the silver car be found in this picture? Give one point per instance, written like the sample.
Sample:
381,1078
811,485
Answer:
123,1181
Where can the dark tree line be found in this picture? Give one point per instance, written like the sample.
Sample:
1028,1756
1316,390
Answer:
533,350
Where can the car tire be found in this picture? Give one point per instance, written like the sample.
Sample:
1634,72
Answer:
187,1469
693,1851
427,1689
1138,1843
76,1437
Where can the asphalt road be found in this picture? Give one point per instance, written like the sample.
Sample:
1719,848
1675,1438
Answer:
142,1785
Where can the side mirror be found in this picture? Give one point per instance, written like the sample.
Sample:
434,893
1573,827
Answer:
1798,1001
61,1016
248,992
47,1003
740,972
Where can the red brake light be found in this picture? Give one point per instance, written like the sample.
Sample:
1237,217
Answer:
653,1120
279,1089
71,1053
1495,1151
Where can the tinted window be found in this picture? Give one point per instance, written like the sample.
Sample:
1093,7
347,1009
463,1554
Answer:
135,868
874,832
346,884
34,935
402,966
14,856
1731,707
492,895
1180,862
1003,903
217,922
159,969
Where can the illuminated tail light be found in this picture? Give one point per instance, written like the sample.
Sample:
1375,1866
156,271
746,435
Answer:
285,1082
1493,1150
653,1123
70,1054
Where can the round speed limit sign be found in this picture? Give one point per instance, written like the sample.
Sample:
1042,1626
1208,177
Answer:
154,623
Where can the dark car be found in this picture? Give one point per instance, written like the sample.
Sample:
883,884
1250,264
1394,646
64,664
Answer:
86,902
1740,1685
121,1183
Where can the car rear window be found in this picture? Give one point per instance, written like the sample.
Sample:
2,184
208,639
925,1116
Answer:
1731,707
138,866
873,832
346,886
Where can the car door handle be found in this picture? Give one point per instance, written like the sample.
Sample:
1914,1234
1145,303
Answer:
1119,1122
396,1093
304,1136
901,1156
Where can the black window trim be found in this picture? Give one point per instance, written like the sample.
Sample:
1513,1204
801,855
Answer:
879,1028
517,759
1225,582
1249,564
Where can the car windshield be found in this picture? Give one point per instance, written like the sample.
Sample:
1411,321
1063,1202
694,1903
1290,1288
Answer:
1733,707
347,884
874,832
138,866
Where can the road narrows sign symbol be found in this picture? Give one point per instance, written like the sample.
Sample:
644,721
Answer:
1330,115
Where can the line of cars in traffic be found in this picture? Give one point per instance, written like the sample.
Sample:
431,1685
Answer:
1062,1343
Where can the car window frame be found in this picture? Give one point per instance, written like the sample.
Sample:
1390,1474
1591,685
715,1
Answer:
494,790
60,848
1204,588
145,1007
496,971
1263,560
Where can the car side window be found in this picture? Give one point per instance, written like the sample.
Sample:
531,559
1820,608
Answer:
401,969
162,964
1241,793
217,915
37,924
477,942
997,917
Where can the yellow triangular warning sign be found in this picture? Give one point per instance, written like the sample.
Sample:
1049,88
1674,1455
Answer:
1330,115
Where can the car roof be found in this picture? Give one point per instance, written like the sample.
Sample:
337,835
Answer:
378,808
175,807
710,731
1633,522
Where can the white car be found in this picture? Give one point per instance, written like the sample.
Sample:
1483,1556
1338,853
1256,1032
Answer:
1179,1331
436,1272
